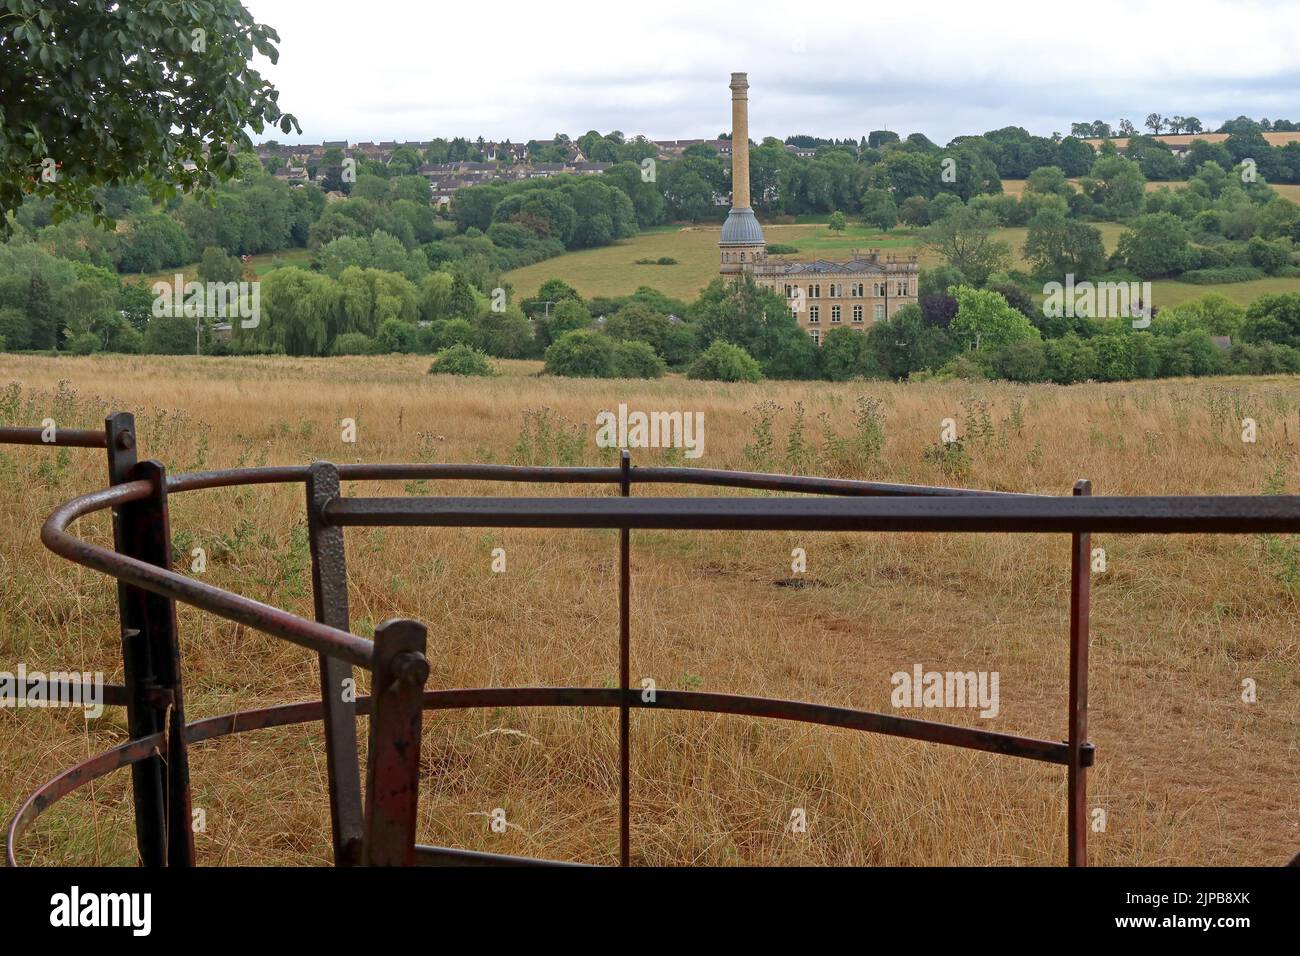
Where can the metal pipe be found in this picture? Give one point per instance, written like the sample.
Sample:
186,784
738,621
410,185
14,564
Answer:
255,614
1159,515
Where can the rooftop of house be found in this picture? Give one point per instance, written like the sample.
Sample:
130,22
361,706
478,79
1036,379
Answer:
872,263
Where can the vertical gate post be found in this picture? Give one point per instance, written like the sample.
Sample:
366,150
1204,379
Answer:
624,672
393,768
1077,780
146,776
329,579
151,659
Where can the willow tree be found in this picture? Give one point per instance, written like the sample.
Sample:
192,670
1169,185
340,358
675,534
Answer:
298,309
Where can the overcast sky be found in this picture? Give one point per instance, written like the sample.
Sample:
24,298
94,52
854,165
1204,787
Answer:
524,69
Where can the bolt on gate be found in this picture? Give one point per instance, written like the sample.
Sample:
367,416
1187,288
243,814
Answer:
376,825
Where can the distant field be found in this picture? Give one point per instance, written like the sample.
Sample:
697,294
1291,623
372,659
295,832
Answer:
610,271
1014,187
260,265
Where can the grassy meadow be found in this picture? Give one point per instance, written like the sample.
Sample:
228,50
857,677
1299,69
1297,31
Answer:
257,267
611,270
1186,771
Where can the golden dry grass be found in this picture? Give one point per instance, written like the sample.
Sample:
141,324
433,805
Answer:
1187,772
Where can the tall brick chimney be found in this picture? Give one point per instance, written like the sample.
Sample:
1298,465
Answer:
739,141
742,242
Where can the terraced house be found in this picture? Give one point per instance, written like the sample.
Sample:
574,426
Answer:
823,294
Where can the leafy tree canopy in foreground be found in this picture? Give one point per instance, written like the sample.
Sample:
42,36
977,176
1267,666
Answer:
93,93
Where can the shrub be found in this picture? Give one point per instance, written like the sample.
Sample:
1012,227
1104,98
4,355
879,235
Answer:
127,341
782,249
1273,318
449,332
1264,359
83,344
354,343
394,335
724,362
964,367
1269,256
635,359
169,335
1024,361
1216,276
461,360
581,353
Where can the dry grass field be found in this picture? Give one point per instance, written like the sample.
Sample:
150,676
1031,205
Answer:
1186,771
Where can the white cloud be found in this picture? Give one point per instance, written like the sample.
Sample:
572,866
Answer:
387,69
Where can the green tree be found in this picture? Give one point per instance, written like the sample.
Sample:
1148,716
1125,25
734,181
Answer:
1273,318
986,322
353,343
845,354
566,316
1056,245
394,335
216,266
879,210
43,325
581,353
725,362
461,302
1116,185
1157,244
451,332
635,359
967,239
155,242
506,334
461,360
905,343
169,335
1050,181
838,222
297,309
759,321
132,90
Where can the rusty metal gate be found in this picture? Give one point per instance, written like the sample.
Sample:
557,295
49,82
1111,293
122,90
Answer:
375,824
